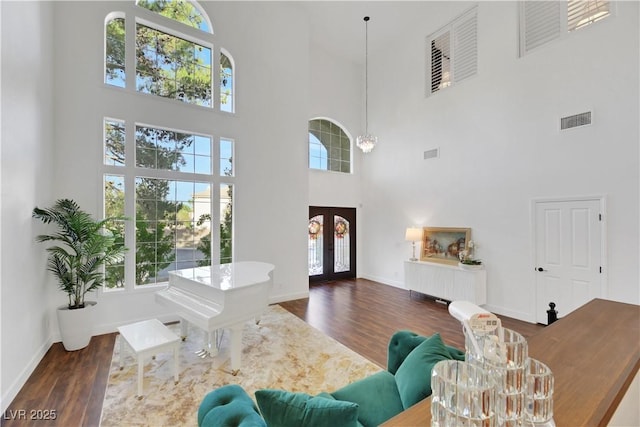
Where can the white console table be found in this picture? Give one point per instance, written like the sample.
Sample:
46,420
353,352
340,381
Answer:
445,281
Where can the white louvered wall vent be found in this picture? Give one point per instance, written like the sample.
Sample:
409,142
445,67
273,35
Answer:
570,122
432,154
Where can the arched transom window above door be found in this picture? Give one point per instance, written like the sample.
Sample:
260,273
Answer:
329,146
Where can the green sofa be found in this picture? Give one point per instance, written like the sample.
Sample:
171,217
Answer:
366,402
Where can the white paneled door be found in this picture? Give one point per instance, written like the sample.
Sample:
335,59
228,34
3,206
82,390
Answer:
568,252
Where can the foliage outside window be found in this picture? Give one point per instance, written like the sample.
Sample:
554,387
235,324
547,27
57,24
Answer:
114,55
226,157
169,65
226,223
114,207
169,232
226,83
171,150
329,146
162,179
172,217
180,10
114,143
172,67
226,208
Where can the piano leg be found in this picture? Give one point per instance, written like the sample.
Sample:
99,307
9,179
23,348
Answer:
184,325
213,345
236,348
213,340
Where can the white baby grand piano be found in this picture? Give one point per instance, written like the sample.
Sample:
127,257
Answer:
217,297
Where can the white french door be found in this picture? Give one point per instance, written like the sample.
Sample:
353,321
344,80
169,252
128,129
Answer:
568,254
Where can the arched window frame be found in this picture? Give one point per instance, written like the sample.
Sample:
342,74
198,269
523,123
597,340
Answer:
174,28
109,18
335,163
232,91
196,6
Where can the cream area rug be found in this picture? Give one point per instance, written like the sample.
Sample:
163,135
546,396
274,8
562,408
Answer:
281,352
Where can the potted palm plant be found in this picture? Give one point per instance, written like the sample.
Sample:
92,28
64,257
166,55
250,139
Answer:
82,246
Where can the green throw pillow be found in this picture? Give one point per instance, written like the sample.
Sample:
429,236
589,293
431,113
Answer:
286,409
413,377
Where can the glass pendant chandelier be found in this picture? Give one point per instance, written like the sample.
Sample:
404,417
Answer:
366,142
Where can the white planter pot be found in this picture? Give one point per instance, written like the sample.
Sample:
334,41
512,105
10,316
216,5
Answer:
76,326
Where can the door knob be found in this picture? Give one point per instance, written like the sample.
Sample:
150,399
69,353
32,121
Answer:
541,269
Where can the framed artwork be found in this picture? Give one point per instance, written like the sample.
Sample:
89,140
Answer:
443,244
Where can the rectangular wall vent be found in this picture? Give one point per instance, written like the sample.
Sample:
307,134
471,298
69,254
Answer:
430,154
576,120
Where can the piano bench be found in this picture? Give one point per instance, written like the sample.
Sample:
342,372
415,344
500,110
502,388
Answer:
229,406
147,338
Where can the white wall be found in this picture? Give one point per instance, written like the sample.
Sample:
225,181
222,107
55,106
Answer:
27,145
501,148
271,198
337,94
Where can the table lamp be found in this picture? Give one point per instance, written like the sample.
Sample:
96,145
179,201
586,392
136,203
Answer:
413,235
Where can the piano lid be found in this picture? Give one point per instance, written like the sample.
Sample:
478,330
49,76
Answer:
227,276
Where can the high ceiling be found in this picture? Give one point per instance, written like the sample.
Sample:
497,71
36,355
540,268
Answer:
338,26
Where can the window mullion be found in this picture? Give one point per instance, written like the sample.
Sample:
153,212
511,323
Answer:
215,222
215,79
130,205
215,159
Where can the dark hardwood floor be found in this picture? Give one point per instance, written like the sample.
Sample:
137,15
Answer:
66,389
360,314
363,315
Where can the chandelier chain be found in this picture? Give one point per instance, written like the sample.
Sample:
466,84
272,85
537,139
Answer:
366,142
366,75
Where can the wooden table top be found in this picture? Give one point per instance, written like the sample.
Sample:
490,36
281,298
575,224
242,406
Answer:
594,354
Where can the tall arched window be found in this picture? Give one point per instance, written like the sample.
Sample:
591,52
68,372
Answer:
329,146
176,184
169,63
227,82
114,50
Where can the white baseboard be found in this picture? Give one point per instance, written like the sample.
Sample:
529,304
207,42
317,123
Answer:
19,382
385,281
275,299
108,328
525,317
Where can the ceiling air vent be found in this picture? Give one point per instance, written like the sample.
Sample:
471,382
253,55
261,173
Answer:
433,153
576,120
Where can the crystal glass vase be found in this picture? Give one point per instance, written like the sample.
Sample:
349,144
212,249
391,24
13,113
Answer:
538,405
464,395
503,354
